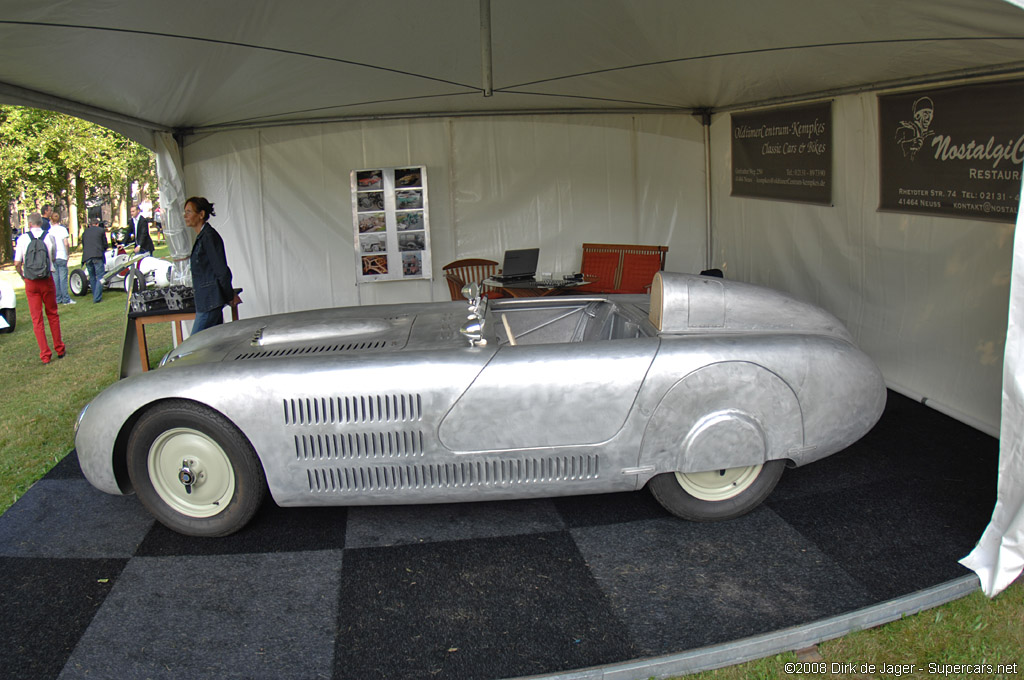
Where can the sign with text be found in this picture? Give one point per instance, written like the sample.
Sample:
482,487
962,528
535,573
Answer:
953,151
784,154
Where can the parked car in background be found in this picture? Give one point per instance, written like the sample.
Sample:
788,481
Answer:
703,391
150,271
8,308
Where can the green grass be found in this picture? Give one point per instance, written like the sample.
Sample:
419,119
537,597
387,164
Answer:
40,404
971,631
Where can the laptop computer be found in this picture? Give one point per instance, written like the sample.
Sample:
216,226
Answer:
519,265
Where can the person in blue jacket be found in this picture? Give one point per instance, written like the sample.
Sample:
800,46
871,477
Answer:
211,277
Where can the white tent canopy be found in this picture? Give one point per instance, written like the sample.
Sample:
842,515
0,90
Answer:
193,65
556,122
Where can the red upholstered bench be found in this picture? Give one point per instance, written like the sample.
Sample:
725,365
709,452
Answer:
620,268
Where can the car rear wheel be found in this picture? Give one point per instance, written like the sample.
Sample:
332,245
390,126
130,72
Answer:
194,471
78,282
716,494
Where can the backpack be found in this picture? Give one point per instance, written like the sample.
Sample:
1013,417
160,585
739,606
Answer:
36,264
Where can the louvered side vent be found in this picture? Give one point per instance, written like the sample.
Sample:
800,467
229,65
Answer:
314,349
380,408
407,444
420,477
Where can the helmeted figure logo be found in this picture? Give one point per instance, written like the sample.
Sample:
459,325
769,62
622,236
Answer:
911,134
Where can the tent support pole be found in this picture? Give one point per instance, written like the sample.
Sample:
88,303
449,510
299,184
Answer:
485,48
705,120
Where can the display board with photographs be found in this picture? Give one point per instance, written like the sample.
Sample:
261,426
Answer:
391,222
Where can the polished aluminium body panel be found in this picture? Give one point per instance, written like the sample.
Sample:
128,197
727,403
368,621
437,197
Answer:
391,404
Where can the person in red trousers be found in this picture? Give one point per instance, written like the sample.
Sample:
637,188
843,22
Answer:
34,254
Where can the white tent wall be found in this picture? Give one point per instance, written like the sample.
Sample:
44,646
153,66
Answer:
559,181
925,297
555,181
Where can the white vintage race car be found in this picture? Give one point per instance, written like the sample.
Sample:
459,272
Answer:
149,271
703,391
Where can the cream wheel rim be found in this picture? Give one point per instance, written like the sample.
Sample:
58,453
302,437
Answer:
718,485
191,472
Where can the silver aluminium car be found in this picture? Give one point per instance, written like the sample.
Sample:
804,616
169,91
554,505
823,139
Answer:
703,391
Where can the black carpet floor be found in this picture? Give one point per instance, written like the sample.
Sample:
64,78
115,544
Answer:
93,588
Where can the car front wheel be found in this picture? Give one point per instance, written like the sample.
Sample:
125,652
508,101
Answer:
133,281
78,282
716,494
194,471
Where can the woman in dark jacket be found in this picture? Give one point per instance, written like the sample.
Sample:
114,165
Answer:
211,277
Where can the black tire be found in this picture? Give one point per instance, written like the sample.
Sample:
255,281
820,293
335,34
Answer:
11,317
701,497
78,282
133,281
229,484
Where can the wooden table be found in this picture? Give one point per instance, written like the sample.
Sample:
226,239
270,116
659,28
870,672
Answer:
175,317
530,288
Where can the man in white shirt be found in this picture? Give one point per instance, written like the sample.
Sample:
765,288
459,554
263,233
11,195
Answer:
60,261
40,290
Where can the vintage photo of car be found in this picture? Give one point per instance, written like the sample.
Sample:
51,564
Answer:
370,179
372,222
416,241
407,177
703,391
409,221
374,264
405,200
373,243
412,264
371,200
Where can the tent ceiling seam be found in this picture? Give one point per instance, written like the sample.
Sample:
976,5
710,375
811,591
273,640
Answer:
230,43
595,99
421,115
766,50
946,78
476,89
269,120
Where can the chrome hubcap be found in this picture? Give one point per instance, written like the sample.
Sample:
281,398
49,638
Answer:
188,476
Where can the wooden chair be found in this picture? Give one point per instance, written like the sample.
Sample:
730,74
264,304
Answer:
461,272
620,268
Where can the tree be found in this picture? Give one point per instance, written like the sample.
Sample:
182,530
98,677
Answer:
41,152
15,154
